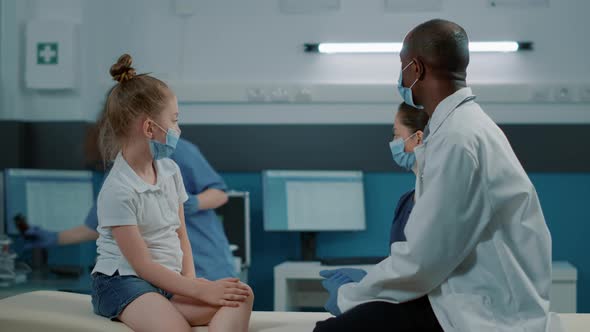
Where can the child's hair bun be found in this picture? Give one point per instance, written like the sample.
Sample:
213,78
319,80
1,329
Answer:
122,70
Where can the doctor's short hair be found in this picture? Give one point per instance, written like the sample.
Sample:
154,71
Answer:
413,118
134,95
442,44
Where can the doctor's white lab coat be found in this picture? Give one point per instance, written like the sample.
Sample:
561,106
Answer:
477,243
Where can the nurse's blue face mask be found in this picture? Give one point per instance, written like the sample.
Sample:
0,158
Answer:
405,160
406,93
164,150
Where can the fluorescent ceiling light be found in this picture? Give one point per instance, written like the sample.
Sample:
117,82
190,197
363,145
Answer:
506,46
359,47
334,48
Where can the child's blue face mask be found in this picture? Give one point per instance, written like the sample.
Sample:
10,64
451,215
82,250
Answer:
406,93
164,150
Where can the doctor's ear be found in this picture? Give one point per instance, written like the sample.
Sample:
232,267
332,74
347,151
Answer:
420,68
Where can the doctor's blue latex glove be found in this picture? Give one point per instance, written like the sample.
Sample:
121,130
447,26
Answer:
37,237
336,278
332,284
355,275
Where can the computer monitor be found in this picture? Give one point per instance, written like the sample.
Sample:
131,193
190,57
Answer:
313,201
55,200
235,216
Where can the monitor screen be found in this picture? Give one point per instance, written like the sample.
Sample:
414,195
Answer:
235,216
54,200
309,201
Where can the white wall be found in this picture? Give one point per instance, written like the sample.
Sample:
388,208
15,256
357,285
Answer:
250,43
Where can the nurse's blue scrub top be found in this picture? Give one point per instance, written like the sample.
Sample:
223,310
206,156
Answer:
400,219
212,256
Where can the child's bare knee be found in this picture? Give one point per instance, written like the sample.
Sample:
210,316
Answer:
249,289
250,298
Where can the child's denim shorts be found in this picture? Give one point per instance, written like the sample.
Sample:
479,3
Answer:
111,294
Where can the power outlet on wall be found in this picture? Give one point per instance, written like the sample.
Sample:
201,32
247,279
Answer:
279,95
585,93
541,94
303,96
256,95
563,94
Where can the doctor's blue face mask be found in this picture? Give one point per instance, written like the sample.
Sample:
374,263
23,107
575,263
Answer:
406,93
405,160
164,150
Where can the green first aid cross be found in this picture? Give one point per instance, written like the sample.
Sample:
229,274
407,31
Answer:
47,53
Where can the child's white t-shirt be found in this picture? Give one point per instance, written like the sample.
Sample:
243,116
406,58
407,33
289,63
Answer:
126,199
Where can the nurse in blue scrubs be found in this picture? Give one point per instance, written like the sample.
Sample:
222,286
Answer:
206,191
408,133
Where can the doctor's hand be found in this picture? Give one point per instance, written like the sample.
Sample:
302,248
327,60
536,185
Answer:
335,279
355,275
37,237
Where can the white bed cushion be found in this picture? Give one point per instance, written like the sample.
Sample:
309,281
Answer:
50,311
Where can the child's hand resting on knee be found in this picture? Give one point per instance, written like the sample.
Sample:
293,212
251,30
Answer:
229,292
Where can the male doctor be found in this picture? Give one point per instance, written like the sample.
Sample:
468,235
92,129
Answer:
477,255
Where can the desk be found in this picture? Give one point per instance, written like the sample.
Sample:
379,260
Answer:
49,281
298,284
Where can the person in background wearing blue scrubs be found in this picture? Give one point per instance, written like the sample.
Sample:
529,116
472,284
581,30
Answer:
206,189
408,133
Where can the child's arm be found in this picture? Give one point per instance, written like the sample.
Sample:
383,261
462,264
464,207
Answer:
135,250
226,292
188,265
